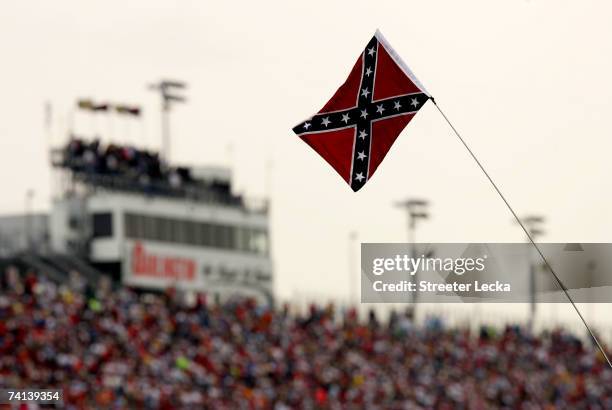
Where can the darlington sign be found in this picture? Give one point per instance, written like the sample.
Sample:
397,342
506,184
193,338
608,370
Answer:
159,265
150,265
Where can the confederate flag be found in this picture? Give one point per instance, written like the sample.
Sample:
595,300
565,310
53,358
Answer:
356,128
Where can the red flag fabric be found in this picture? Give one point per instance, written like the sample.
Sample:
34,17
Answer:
355,130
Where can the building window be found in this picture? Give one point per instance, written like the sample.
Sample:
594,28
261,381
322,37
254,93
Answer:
196,233
258,241
102,225
205,234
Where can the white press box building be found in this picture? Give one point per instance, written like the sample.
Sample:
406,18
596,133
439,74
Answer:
189,233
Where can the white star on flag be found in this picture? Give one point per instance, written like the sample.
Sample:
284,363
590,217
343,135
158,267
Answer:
326,121
359,176
345,118
361,156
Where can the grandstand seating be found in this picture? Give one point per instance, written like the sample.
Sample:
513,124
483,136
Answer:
122,349
128,169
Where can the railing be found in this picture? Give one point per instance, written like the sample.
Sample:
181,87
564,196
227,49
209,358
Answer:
156,188
200,191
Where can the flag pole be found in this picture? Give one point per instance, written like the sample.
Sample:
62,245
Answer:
550,268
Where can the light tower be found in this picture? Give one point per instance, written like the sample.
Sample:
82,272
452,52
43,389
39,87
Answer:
533,223
29,197
167,88
416,209
352,270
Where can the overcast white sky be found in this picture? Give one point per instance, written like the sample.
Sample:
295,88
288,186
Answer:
526,82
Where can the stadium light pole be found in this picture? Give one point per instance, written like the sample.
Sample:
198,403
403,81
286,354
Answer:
29,197
533,223
167,89
351,267
416,210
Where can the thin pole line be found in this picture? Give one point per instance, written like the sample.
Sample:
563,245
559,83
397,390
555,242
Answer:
561,285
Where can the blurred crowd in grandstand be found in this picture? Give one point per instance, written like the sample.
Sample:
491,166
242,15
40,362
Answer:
121,349
125,167
143,165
